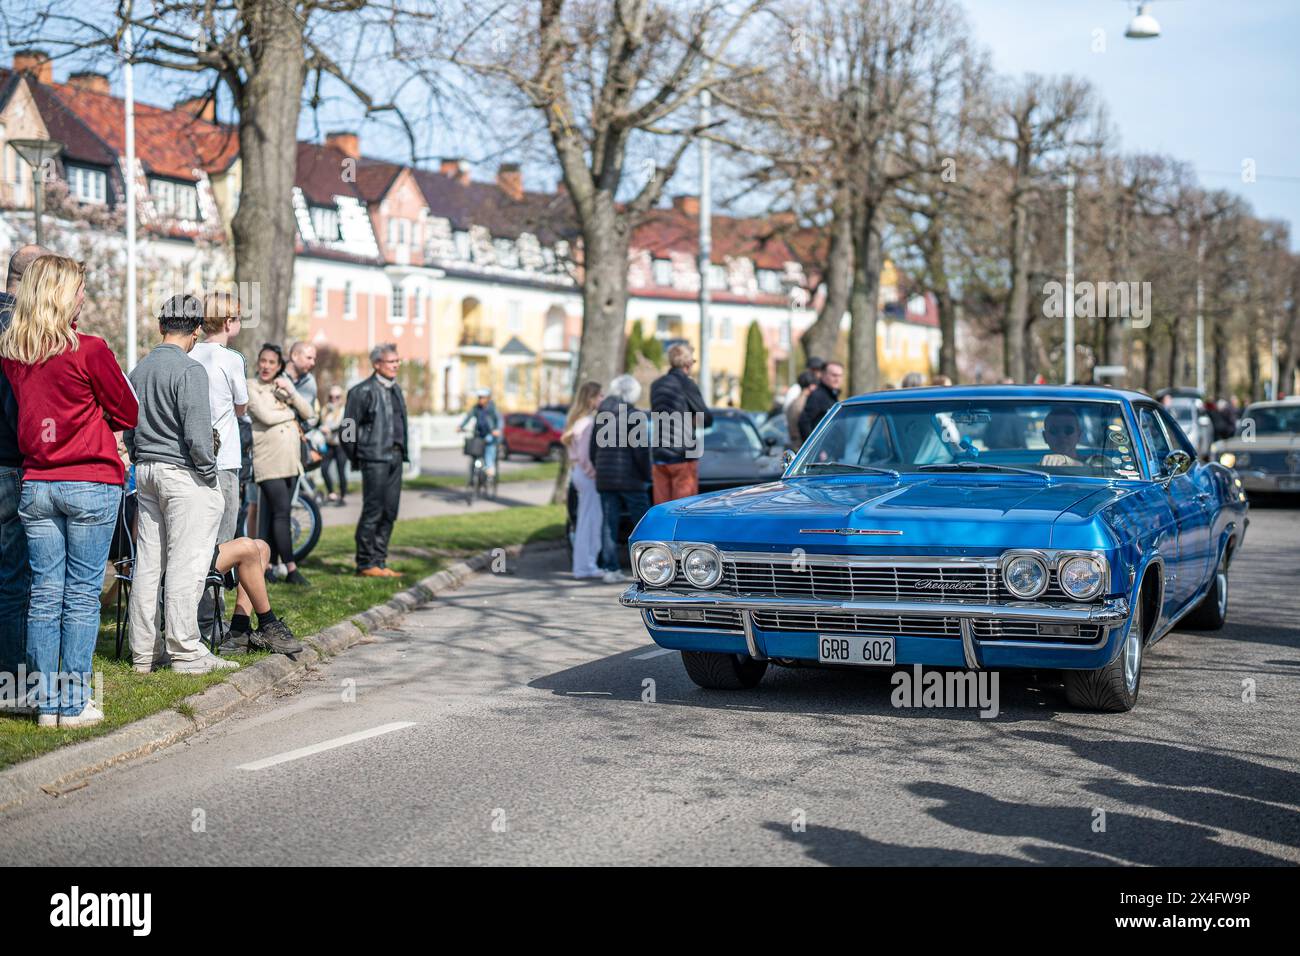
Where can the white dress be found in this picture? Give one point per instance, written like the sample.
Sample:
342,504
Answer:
586,537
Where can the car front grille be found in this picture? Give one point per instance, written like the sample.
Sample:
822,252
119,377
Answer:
707,618
870,625
999,630
937,583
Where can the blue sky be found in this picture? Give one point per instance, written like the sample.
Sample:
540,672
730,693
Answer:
1221,84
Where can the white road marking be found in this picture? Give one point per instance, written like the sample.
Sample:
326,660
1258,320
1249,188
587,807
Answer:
325,745
657,652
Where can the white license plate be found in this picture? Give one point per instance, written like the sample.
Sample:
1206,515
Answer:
869,651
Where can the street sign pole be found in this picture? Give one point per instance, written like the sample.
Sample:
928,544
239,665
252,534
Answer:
706,254
1069,278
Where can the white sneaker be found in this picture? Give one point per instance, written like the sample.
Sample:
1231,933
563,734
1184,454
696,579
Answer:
89,716
47,720
158,664
614,577
203,665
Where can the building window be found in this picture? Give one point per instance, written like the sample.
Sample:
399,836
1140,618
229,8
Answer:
398,232
463,245
663,271
325,223
717,277
417,315
87,185
507,254
724,328
668,326
319,304
769,281
349,307
174,200
514,316
398,311
293,296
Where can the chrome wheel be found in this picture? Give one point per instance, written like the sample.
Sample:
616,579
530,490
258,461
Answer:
1223,593
1133,654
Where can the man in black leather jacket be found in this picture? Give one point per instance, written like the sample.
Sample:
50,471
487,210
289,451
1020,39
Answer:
374,437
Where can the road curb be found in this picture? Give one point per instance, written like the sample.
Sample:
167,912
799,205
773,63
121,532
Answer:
69,768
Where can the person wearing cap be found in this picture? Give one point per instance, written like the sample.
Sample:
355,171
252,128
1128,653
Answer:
486,425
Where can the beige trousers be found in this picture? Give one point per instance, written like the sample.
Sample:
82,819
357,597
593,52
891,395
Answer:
176,531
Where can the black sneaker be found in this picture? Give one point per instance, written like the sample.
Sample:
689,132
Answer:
236,642
275,637
296,577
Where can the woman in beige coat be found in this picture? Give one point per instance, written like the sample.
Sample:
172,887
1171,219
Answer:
275,406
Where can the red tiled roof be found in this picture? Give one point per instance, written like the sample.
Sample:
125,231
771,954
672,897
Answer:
320,174
168,142
375,177
548,216
763,241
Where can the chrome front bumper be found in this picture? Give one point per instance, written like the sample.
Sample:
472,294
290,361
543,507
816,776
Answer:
1107,614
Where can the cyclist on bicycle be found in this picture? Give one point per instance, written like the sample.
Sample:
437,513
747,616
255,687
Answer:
483,421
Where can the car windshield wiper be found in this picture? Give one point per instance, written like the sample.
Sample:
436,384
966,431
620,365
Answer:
845,464
982,466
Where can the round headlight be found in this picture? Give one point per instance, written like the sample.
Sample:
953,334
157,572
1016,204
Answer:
1227,459
656,566
1026,576
1081,577
702,567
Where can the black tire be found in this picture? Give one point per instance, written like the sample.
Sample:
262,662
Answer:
505,451
723,671
1111,688
1212,612
554,453
304,526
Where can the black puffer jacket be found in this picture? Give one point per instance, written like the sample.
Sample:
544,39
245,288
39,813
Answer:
678,394
620,464
369,410
10,455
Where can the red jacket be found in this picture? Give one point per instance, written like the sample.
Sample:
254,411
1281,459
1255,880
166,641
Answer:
68,409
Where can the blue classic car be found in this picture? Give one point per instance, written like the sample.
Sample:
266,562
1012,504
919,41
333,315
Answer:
1055,527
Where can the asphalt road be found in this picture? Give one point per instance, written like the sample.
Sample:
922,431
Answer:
506,724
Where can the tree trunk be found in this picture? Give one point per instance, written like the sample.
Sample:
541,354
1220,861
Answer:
604,294
1219,340
864,302
947,334
1148,358
822,338
1016,321
264,229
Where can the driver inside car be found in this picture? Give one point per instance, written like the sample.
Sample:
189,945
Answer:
1062,432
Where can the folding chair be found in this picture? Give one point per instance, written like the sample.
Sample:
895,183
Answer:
122,554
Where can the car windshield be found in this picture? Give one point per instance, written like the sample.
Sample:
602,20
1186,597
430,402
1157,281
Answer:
556,419
1272,420
1052,438
728,434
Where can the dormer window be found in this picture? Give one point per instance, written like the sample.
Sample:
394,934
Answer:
663,272
175,200
769,281
87,185
325,223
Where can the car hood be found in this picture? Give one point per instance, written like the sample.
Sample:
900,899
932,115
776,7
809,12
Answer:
1283,442
953,512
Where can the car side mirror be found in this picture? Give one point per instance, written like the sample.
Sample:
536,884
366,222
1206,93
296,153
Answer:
1177,463
787,459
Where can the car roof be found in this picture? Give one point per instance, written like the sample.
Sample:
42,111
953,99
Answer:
1081,393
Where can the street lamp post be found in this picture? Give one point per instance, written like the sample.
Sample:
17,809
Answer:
1069,278
706,254
36,153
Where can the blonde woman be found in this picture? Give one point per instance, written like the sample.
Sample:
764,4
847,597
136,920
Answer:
71,397
582,473
275,407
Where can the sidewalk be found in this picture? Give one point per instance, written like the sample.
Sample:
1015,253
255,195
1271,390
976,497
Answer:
433,502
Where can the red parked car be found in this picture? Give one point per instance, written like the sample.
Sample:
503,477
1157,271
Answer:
533,433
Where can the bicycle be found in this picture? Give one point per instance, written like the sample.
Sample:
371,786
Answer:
304,519
480,481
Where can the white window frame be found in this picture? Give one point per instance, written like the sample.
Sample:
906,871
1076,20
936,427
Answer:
318,293
663,271
397,305
349,301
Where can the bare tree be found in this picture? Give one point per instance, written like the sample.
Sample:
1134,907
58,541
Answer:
263,52
1036,122
602,77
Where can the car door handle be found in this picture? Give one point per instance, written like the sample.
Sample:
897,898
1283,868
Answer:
1203,496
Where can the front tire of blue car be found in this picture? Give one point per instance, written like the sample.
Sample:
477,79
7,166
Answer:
1113,688
723,671
1212,612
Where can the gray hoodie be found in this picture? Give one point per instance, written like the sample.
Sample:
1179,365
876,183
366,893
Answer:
175,423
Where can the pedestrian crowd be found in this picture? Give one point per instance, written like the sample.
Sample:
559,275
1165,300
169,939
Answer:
174,459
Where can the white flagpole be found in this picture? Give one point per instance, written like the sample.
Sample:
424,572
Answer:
129,176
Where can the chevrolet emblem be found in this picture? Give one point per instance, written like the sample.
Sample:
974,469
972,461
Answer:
846,531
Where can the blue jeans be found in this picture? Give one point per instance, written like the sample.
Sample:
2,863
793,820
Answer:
490,453
614,505
15,574
69,527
